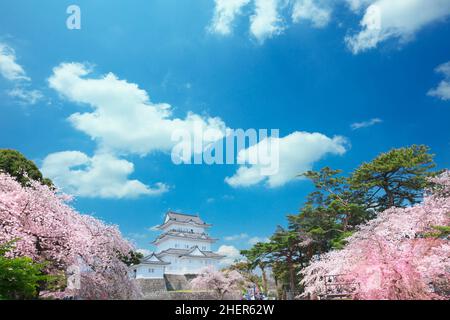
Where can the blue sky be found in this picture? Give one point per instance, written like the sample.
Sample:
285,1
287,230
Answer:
300,66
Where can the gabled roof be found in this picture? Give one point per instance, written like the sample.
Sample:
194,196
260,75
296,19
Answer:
153,259
194,252
185,235
183,218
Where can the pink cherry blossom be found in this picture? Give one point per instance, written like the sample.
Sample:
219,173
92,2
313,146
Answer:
391,257
48,229
221,283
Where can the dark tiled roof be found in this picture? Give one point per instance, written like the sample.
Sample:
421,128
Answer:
185,235
154,263
182,217
147,260
211,254
187,253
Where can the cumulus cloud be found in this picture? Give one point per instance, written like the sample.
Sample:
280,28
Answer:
224,14
144,252
365,124
381,19
254,240
123,121
442,91
25,96
266,21
395,19
102,175
297,154
122,117
309,10
9,68
357,5
231,254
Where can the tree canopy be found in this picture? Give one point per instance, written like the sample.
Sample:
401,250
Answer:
18,166
394,179
401,254
47,230
20,277
340,204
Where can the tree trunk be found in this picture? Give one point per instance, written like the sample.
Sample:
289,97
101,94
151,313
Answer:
291,276
264,278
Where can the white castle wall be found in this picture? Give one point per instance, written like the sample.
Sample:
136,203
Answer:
184,228
147,272
183,244
187,265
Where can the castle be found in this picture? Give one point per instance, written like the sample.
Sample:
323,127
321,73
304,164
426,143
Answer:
183,248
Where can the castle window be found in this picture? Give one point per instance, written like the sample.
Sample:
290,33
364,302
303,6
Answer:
151,270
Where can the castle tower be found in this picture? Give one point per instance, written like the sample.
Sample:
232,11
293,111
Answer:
183,247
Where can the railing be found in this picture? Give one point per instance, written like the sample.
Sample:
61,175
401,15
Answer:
188,231
337,287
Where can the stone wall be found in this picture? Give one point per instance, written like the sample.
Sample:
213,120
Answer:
178,282
151,285
194,295
175,287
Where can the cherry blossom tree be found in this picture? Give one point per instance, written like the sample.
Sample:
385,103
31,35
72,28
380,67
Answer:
46,228
397,255
221,283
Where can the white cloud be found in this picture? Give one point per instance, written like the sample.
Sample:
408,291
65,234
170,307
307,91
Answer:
357,5
236,237
103,176
231,254
442,91
122,120
365,124
15,73
297,154
25,96
266,22
395,19
224,14
9,68
310,10
145,252
255,240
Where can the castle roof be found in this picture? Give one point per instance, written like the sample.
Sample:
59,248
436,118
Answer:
182,218
194,252
152,259
185,217
184,235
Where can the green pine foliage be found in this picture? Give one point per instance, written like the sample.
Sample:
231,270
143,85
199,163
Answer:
20,277
16,165
339,204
